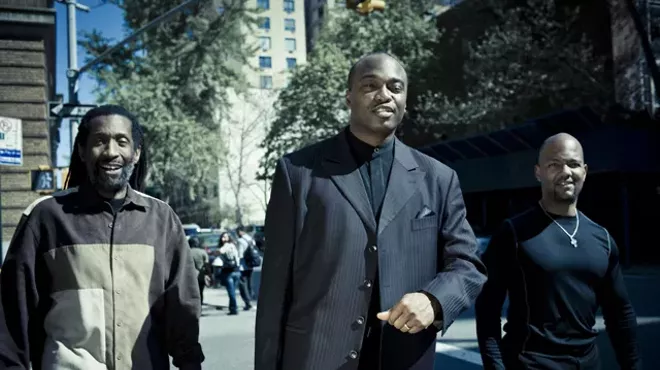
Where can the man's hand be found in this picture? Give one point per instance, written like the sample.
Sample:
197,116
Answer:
412,314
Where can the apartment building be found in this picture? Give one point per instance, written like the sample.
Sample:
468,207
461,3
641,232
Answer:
316,12
280,37
281,46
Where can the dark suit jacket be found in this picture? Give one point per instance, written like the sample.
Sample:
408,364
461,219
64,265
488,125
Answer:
323,247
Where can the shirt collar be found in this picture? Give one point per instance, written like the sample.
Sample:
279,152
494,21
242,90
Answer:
90,197
364,152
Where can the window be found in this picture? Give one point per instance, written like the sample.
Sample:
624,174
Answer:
291,63
265,62
263,4
290,24
289,6
266,82
264,43
264,23
290,44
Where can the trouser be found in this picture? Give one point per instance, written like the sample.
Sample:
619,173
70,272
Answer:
230,279
246,280
530,360
202,285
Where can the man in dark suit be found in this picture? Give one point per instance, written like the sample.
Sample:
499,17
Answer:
369,252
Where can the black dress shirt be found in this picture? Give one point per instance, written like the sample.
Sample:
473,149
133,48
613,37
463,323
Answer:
375,165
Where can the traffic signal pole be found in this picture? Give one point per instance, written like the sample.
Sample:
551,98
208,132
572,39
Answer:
73,73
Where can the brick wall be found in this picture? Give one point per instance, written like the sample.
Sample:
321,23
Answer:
23,95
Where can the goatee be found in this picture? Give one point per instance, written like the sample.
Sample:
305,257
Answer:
111,184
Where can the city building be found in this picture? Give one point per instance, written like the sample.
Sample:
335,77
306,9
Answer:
27,83
316,12
280,39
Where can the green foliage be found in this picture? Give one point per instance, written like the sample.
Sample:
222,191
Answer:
531,62
175,78
313,107
500,63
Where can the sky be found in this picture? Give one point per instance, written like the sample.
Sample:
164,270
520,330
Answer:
108,19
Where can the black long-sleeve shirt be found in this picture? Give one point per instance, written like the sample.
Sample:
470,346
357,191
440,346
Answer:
554,291
88,286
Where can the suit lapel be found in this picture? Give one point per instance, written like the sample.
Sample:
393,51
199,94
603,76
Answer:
345,173
402,184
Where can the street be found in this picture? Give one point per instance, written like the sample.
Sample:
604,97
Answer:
228,341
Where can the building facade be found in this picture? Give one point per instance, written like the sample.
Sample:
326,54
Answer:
27,83
280,39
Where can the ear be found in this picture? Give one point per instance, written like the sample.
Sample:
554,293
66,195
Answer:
136,157
537,172
586,169
348,98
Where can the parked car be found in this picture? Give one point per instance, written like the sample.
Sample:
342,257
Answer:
191,229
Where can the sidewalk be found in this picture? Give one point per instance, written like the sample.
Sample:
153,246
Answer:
219,299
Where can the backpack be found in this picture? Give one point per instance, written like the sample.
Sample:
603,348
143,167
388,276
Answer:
252,256
229,260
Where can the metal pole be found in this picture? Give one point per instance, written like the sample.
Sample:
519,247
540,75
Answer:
71,74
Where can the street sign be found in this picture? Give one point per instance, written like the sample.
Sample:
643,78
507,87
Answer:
43,180
11,141
58,109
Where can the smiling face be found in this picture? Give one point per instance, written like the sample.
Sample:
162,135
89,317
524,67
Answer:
377,95
561,169
110,154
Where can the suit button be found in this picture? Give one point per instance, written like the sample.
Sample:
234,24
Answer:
368,283
353,354
373,248
360,320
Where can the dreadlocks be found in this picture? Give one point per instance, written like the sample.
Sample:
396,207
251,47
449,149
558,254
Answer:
78,172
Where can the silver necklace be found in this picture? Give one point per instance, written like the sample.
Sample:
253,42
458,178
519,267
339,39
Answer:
577,226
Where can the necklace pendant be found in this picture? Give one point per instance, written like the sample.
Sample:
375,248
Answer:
574,242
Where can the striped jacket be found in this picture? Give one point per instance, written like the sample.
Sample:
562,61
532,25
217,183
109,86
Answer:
86,289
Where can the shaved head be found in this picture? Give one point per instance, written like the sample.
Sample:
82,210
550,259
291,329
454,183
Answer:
555,142
371,61
561,169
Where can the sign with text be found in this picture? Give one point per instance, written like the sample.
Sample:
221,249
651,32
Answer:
11,141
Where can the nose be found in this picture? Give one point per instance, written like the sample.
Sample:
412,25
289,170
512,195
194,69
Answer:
383,94
112,149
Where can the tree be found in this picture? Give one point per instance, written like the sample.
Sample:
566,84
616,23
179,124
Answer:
242,134
312,106
534,60
175,78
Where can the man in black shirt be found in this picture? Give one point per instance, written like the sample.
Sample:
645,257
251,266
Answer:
557,267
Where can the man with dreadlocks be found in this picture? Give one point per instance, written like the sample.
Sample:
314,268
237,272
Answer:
100,276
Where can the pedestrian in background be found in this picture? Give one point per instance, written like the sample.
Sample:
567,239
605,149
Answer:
250,259
100,275
201,261
230,274
557,267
